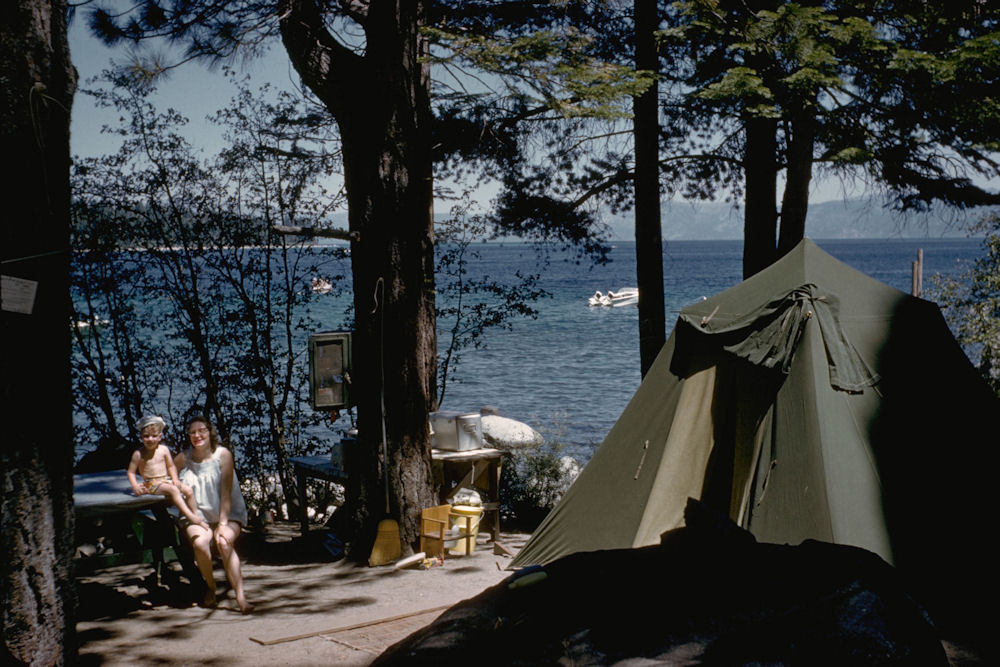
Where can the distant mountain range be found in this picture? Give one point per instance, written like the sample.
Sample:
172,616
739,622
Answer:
846,219
849,219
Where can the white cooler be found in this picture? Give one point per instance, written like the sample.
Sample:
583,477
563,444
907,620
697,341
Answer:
456,431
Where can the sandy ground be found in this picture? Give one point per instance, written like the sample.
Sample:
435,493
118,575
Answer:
308,610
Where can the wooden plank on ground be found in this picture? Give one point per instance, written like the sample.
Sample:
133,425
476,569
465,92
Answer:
344,628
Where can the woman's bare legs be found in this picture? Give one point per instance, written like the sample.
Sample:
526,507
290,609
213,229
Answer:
201,544
225,538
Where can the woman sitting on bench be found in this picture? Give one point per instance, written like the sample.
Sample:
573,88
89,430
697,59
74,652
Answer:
207,467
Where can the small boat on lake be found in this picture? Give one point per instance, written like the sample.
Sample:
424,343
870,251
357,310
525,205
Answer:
321,286
94,322
599,299
626,296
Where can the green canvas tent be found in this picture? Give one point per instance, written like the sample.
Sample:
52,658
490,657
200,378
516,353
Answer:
809,401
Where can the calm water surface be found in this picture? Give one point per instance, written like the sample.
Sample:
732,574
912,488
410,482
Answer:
570,371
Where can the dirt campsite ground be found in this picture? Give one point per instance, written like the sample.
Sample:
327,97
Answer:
308,610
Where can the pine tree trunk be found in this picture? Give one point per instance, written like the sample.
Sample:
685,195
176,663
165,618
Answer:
648,235
381,102
38,83
795,201
760,216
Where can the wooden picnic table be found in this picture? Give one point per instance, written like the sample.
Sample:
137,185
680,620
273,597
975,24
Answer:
103,493
107,498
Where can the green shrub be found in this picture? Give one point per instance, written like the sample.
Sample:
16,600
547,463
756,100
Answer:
532,481
971,303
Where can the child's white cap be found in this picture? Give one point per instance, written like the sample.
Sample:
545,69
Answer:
151,420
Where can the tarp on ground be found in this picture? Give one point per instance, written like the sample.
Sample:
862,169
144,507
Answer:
809,401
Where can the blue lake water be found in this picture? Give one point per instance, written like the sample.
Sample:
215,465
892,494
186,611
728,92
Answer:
571,371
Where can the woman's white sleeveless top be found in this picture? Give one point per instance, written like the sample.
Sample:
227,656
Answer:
206,480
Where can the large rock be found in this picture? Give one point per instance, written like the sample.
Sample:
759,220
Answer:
505,433
708,594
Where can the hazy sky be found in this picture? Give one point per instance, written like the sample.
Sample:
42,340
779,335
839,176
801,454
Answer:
192,90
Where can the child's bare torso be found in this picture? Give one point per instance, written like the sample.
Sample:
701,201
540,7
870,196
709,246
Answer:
154,469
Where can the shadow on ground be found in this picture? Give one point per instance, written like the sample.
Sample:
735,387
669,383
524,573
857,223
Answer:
288,563
310,607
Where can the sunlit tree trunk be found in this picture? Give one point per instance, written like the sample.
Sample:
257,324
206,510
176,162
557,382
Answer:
381,103
38,83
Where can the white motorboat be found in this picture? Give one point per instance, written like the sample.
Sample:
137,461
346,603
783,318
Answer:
626,296
321,286
92,323
599,299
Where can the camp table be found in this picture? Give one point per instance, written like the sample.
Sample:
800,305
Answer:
479,468
320,467
104,496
